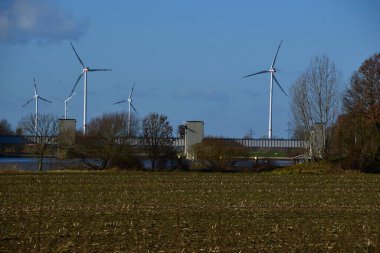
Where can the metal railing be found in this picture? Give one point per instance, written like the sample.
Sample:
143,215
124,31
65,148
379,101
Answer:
271,143
177,142
27,139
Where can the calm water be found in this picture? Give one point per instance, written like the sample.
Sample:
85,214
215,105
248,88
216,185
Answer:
27,163
18,160
31,163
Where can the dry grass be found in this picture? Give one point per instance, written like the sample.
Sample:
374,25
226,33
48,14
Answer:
189,212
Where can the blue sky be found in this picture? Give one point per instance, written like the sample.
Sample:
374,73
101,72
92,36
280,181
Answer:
187,58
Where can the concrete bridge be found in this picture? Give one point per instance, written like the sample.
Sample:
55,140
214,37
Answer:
177,142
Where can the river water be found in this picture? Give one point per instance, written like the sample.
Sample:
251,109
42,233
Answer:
31,163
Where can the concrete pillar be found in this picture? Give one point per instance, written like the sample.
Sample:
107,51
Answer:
194,134
66,136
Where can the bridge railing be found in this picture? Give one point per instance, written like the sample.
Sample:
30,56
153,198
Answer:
271,143
177,142
27,139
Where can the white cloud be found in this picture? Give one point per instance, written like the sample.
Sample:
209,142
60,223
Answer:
43,20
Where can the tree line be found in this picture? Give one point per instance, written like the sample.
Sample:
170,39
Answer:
350,121
343,127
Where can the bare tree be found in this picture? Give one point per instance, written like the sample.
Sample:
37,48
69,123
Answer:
107,140
363,97
300,108
157,137
44,134
358,132
134,127
5,127
315,100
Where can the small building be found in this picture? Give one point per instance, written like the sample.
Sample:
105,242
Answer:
194,133
66,136
317,141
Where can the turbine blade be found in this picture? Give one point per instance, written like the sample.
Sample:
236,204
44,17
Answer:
130,94
35,86
261,72
134,108
99,69
30,100
44,99
70,97
81,62
275,57
275,79
76,83
123,101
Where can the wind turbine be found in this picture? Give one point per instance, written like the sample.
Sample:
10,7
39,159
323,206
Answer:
130,105
36,97
84,71
271,70
65,102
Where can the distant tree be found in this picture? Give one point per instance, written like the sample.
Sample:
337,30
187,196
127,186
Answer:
249,134
363,97
107,141
157,138
218,154
19,131
5,127
357,133
343,148
135,126
44,134
314,99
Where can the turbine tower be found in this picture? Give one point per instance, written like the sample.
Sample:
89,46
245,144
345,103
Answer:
65,102
271,70
129,100
84,71
35,97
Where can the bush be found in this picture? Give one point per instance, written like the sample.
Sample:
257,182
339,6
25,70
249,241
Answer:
217,154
